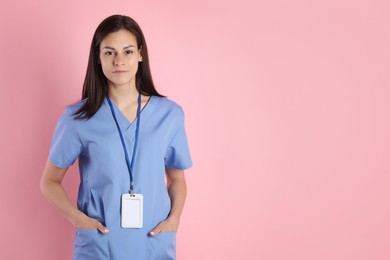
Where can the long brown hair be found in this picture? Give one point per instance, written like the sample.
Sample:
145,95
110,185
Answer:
95,86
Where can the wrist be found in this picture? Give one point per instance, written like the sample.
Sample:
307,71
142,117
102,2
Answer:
76,218
174,218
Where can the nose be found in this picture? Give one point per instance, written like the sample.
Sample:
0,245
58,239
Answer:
119,60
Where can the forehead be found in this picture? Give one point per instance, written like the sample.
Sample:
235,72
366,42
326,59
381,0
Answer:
119,39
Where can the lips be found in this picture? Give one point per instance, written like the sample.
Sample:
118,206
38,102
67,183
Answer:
119,71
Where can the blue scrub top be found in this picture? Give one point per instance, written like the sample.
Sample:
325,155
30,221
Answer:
104,175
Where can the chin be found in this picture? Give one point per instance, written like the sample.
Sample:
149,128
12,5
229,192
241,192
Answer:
120,81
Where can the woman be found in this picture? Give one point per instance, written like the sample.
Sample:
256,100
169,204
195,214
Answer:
127,138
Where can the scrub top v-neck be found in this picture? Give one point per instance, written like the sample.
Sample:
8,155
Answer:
104,176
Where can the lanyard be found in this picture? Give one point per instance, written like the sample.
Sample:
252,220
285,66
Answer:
129,165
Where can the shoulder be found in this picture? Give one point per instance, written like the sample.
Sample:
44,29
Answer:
70,110
74,107
169,106
170,111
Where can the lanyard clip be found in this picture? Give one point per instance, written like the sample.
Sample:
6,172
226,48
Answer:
132,193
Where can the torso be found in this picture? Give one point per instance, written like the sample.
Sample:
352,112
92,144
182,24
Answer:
104,175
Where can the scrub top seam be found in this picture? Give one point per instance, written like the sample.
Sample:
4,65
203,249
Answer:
181,125
148,109
123,122
86,182
77,130
179,166
144,114
85,172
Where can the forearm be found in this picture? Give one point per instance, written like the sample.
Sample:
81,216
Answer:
56,195
177,190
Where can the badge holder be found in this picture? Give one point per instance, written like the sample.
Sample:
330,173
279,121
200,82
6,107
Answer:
132,210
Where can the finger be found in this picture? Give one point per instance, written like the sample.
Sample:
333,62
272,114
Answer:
155,231
102,228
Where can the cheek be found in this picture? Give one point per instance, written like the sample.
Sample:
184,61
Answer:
105,64
136,65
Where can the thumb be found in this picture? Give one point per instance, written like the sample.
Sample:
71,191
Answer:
155,231
102,228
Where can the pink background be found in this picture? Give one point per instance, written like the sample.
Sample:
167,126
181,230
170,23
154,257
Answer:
287,114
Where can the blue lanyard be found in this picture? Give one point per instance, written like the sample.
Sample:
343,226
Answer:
129,165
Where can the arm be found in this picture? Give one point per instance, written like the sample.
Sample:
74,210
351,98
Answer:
177,189
52,189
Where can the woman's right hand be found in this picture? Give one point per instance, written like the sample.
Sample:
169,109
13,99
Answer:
82,221
52,189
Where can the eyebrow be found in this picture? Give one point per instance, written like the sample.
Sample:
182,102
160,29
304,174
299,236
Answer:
111,48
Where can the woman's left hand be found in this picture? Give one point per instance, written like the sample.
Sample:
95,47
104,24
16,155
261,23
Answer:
177,190
168,225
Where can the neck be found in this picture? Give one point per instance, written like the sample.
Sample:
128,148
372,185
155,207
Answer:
123,95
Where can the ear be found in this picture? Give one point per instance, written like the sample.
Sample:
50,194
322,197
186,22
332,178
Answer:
140,55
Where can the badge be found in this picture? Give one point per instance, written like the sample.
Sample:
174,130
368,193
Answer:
132,211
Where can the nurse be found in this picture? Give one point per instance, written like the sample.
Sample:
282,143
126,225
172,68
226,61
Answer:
132,151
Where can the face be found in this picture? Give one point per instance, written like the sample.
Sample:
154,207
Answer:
119,57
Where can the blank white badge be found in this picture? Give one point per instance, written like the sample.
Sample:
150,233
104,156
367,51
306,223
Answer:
132,211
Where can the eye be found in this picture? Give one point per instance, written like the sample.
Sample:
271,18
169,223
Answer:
108,53
129,51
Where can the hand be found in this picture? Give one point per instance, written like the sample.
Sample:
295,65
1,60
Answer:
168,225
82,221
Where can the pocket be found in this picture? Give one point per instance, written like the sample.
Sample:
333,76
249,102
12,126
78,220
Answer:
162,246
90,244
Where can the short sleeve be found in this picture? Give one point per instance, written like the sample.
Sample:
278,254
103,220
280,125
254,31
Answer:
66,145
178,153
